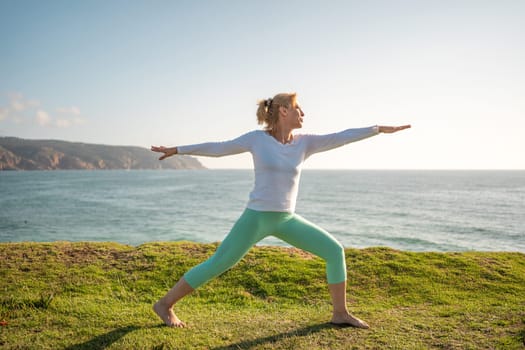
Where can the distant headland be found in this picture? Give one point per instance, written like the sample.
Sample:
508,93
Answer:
23,154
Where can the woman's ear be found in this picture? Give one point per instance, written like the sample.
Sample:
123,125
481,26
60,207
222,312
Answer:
283,110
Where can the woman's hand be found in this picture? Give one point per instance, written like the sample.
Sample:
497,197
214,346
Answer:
168,152
392,129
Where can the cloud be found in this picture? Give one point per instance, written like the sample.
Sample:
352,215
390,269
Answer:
69,110
18,103
70,116
4,112
66,123
23,110
42,118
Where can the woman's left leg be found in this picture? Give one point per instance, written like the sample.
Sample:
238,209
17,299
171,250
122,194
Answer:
305,235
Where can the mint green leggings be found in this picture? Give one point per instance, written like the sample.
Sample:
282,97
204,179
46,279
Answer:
253,226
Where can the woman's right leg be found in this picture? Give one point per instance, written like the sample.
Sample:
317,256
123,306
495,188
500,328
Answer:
248,230
245,233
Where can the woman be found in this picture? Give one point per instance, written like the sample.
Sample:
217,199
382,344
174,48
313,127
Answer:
278,155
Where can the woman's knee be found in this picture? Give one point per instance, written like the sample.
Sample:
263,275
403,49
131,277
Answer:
334,251
207,270
336,264
223,264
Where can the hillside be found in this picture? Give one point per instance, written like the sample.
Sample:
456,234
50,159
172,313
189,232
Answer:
22,154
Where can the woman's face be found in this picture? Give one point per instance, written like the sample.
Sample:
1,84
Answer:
295,116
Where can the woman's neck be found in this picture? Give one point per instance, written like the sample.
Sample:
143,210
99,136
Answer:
284,136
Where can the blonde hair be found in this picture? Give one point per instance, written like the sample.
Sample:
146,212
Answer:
268,110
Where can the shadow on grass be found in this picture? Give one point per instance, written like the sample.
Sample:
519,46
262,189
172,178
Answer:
104,340
301,332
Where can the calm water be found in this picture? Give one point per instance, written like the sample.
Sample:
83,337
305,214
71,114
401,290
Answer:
408,210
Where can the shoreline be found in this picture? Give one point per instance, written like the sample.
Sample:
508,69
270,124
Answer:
284,247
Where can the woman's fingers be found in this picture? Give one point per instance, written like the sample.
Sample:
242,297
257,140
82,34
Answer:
391,129
160,149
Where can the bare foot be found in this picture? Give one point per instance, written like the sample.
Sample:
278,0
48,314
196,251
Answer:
167,315
347,319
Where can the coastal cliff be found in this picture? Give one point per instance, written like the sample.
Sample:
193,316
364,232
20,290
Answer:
23,154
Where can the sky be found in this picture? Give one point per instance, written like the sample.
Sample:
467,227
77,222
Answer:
171,73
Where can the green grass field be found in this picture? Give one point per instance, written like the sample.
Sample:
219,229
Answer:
99,296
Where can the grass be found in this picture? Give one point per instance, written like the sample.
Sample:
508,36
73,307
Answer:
99,296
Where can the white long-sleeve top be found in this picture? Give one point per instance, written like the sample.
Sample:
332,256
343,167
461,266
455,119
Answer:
277,166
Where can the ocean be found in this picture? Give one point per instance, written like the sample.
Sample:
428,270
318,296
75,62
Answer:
406,210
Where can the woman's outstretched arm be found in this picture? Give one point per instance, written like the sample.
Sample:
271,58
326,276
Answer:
321,143
210,149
